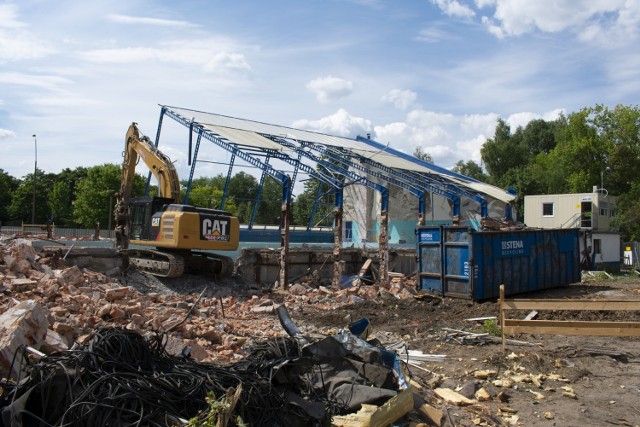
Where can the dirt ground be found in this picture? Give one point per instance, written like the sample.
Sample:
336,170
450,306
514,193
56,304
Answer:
581,381
542,380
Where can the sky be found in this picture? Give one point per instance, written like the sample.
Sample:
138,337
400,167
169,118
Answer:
434,74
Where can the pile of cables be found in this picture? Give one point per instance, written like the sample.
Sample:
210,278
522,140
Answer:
120,378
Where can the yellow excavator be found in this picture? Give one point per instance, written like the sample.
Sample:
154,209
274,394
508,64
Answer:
159,234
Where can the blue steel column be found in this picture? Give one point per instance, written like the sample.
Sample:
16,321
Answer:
254,211
193,165
422,208
456,210
225,192
162,111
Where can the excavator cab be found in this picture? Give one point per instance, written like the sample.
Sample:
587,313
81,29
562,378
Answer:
143,210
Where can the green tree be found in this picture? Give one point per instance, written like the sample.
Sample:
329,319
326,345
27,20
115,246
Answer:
8,186
270,206
503,152
215,182
303,205
580,152
619,129
243,188
62,195
422,155
211,197
627,219
539,136
60,204
91,205
470,169
22,201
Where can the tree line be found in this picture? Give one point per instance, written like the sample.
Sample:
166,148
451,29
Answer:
85,196
596,146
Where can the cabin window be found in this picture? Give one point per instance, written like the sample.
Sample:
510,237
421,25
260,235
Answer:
547,209
348,231
585,214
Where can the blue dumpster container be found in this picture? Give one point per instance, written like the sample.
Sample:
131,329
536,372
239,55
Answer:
460,262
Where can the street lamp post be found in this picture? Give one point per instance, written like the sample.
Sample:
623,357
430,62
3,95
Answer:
607,169
35,171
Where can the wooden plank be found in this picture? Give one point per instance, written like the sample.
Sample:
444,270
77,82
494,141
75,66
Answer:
433,414
452,397
563,327
394,409
362,418
363,271
563,304
377,416
481,319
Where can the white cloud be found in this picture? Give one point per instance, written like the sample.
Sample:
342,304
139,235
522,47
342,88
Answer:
521,119
484,3
9,17
433,35
33,80
454,8
448,138
426,119
6,134
401,99
584,17
483,124
330,88
140,20
227,62
340,123
212,55
64,101
15,42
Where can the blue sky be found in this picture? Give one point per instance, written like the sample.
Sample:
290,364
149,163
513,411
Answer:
430,73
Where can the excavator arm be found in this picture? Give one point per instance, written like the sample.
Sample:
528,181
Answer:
138,146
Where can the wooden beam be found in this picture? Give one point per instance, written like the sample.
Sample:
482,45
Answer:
394,409
571,327
563,304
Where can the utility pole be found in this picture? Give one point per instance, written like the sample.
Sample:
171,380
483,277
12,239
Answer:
35,171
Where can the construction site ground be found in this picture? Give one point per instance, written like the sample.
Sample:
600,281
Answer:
544,380
541,380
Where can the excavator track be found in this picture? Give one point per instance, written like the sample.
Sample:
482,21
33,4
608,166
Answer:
175,263
207,263
158,263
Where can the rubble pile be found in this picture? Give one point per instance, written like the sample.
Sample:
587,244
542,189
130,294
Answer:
80,332
75,302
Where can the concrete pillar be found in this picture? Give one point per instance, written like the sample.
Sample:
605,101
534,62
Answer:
337,246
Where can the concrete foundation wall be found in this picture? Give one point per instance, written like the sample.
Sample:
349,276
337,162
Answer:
261,265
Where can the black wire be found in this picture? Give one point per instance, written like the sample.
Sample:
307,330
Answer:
120,378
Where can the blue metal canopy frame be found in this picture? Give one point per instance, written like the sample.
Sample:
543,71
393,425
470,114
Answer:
337,169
